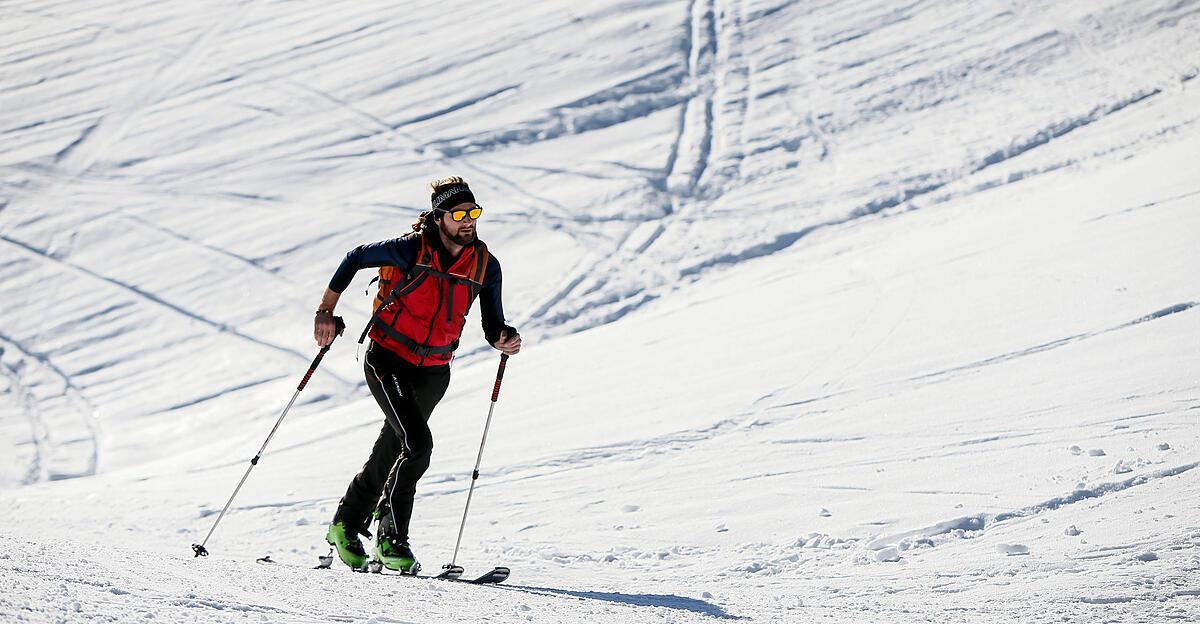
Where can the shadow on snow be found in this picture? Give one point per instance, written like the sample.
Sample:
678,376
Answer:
668,601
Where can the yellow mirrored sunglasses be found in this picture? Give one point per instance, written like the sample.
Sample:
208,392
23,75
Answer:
460,214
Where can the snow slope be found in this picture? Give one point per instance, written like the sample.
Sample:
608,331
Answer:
848,312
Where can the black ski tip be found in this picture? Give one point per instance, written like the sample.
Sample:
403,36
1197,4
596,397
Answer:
498,575
200,550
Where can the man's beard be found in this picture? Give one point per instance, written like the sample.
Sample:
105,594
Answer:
461,238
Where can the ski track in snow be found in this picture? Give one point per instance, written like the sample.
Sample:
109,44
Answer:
61,420
177,183
1062,342
150,297
967,525
693,147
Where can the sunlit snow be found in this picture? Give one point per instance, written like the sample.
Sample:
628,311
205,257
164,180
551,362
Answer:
833,312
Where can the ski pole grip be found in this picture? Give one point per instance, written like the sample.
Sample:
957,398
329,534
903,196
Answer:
499,377
341,326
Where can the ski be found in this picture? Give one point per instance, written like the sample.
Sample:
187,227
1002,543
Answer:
498,574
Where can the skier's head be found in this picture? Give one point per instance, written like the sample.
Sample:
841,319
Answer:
452,210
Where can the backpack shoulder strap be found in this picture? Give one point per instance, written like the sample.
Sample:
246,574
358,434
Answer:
478,272
424,253
481,262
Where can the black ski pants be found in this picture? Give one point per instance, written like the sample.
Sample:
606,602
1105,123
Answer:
387,483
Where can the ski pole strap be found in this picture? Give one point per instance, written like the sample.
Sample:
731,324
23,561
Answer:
341,326
499,377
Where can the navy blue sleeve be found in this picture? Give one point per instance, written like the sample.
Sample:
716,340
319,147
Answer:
398,252
490,307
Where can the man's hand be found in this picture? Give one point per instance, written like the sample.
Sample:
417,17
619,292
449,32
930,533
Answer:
324,328
509,342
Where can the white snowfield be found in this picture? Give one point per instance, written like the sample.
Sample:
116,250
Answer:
846,312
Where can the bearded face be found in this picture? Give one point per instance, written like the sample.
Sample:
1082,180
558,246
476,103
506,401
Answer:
460,232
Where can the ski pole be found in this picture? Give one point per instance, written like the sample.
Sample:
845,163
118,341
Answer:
479,458
341,326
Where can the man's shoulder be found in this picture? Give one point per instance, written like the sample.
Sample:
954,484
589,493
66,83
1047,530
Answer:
408,243
402,250
403,240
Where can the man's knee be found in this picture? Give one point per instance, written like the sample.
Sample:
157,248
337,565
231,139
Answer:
421,455
416,457
419,446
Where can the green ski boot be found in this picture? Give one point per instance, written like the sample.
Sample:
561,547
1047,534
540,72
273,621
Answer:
396,555
348,546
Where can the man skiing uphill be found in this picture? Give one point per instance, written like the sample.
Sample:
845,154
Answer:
427,281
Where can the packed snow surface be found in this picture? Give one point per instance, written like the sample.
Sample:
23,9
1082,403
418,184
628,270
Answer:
833,312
